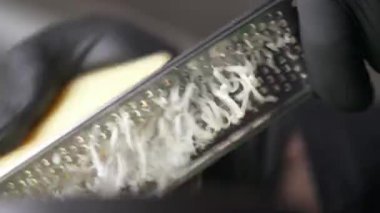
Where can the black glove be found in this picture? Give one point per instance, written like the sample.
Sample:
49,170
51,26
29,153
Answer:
338,35
34,72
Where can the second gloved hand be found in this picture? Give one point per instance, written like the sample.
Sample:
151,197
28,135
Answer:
338,36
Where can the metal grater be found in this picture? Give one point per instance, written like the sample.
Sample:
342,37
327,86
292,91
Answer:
256,60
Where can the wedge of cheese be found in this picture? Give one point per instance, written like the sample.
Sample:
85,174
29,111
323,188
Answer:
81,99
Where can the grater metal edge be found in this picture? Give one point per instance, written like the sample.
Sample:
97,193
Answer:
223,145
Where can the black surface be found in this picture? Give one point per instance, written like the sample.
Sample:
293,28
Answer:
337,37
217,200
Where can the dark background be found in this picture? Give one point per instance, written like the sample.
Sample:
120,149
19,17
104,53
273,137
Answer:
183,22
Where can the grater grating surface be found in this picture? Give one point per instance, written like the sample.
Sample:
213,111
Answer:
177,122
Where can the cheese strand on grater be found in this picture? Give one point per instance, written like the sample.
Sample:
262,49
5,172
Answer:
177,122
188,119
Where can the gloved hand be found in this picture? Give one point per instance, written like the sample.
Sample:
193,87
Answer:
34,72
338,36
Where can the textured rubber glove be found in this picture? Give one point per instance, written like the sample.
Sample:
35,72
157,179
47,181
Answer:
338,36
34,72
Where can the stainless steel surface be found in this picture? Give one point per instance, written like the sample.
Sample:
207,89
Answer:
268,40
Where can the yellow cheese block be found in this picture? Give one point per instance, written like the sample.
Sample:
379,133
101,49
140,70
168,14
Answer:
81,99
